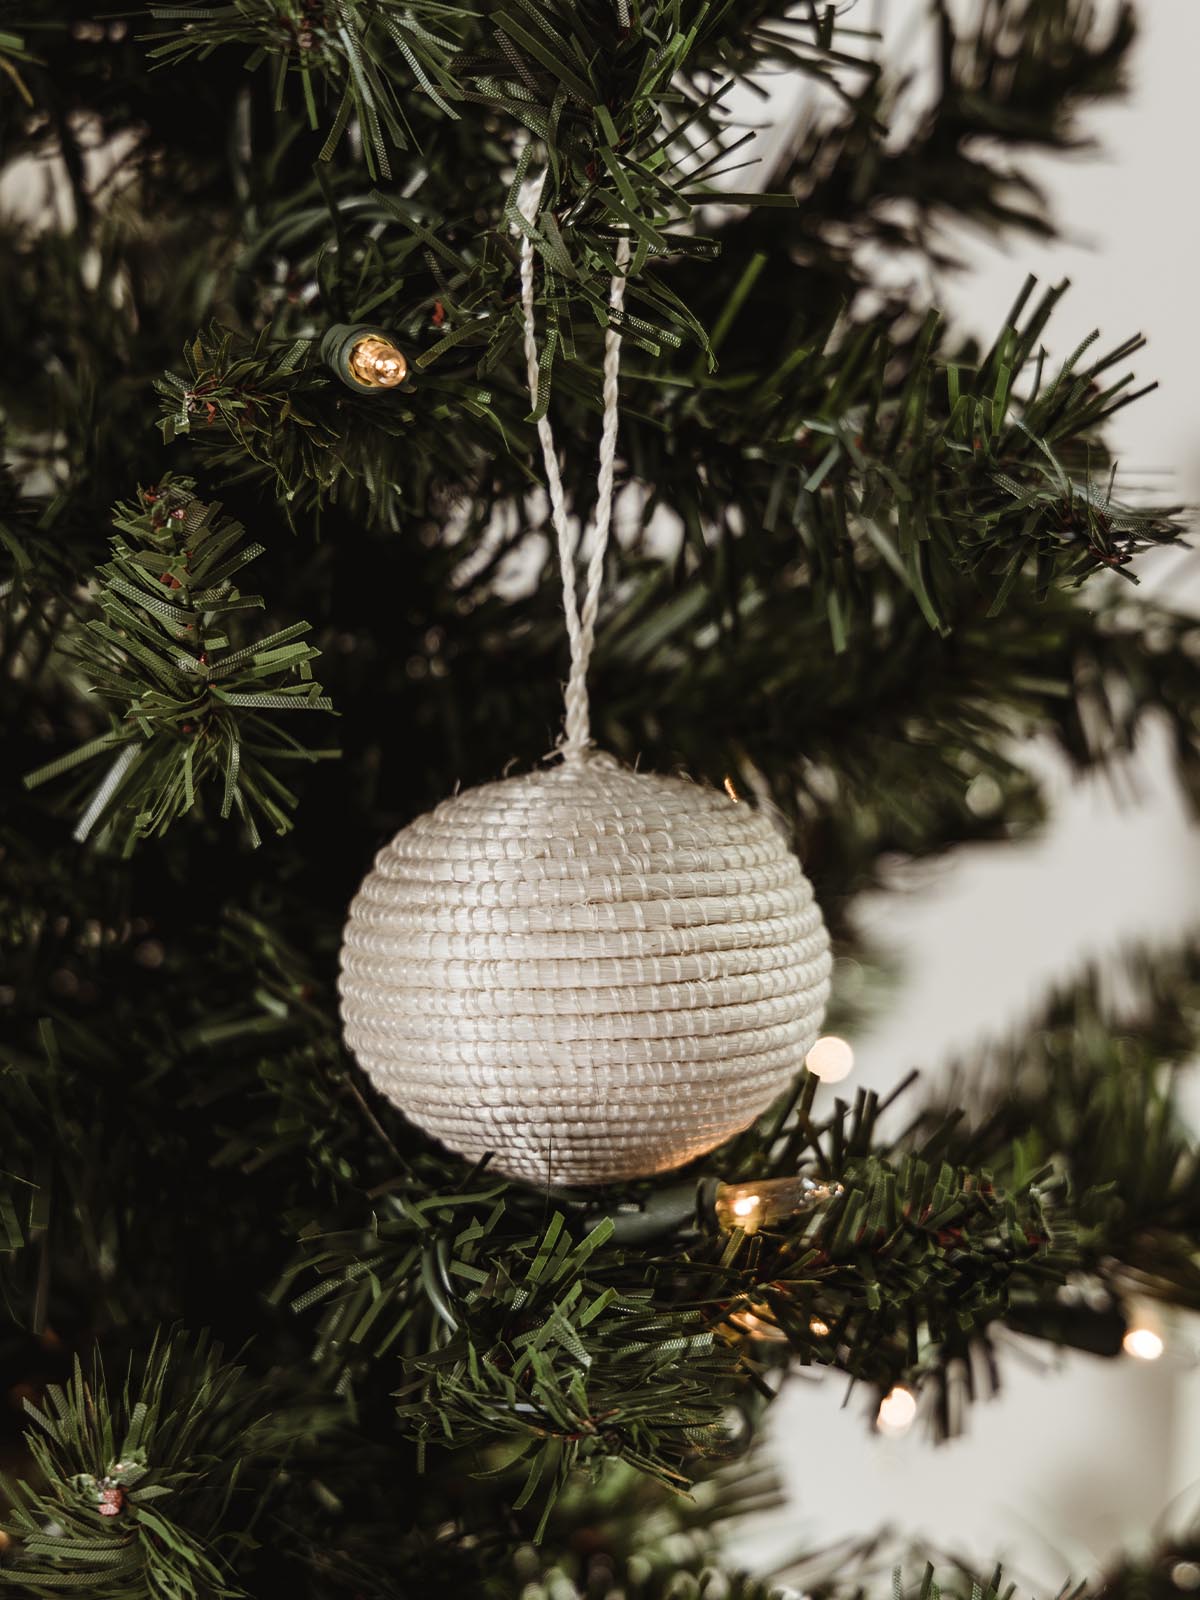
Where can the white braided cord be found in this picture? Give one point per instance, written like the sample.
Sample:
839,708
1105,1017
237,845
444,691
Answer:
581,621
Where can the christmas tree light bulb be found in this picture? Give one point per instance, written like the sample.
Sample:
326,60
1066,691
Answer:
1144,1344
897,1411
376,363
1144,1338
831,1059
752,1321
751,1206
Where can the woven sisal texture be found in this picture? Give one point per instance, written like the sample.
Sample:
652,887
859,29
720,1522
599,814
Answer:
590,972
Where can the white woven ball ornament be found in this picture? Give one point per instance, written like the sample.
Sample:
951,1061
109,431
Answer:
589,972
586,972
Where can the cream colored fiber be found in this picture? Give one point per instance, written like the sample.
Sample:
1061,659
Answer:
591,973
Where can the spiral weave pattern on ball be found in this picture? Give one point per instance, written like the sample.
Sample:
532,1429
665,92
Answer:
590,972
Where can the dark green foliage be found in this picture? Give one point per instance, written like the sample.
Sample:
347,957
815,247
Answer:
145,1489
126,1051
1097,1101
560,1339
864,555
12,54
341,47
434,1301
168,652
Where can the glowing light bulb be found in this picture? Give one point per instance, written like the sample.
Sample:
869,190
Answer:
1144,1344
830,1059
819,1328
375,363
752,1321
897,1411
750,1206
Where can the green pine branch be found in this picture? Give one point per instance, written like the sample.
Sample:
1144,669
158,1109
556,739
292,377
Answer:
357,62
591,80
860,452
122,1048
195,704
537,1345
1097,1100
150,1488
13,56
560,1338
564,1341
908,742
566,1346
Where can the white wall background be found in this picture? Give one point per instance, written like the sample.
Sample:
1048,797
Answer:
1078,1457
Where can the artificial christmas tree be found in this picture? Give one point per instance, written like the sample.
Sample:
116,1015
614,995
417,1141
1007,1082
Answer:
858,558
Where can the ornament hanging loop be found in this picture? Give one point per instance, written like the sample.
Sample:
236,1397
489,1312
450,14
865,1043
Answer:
581,619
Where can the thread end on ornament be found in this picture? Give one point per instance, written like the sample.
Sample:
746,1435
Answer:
578,758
